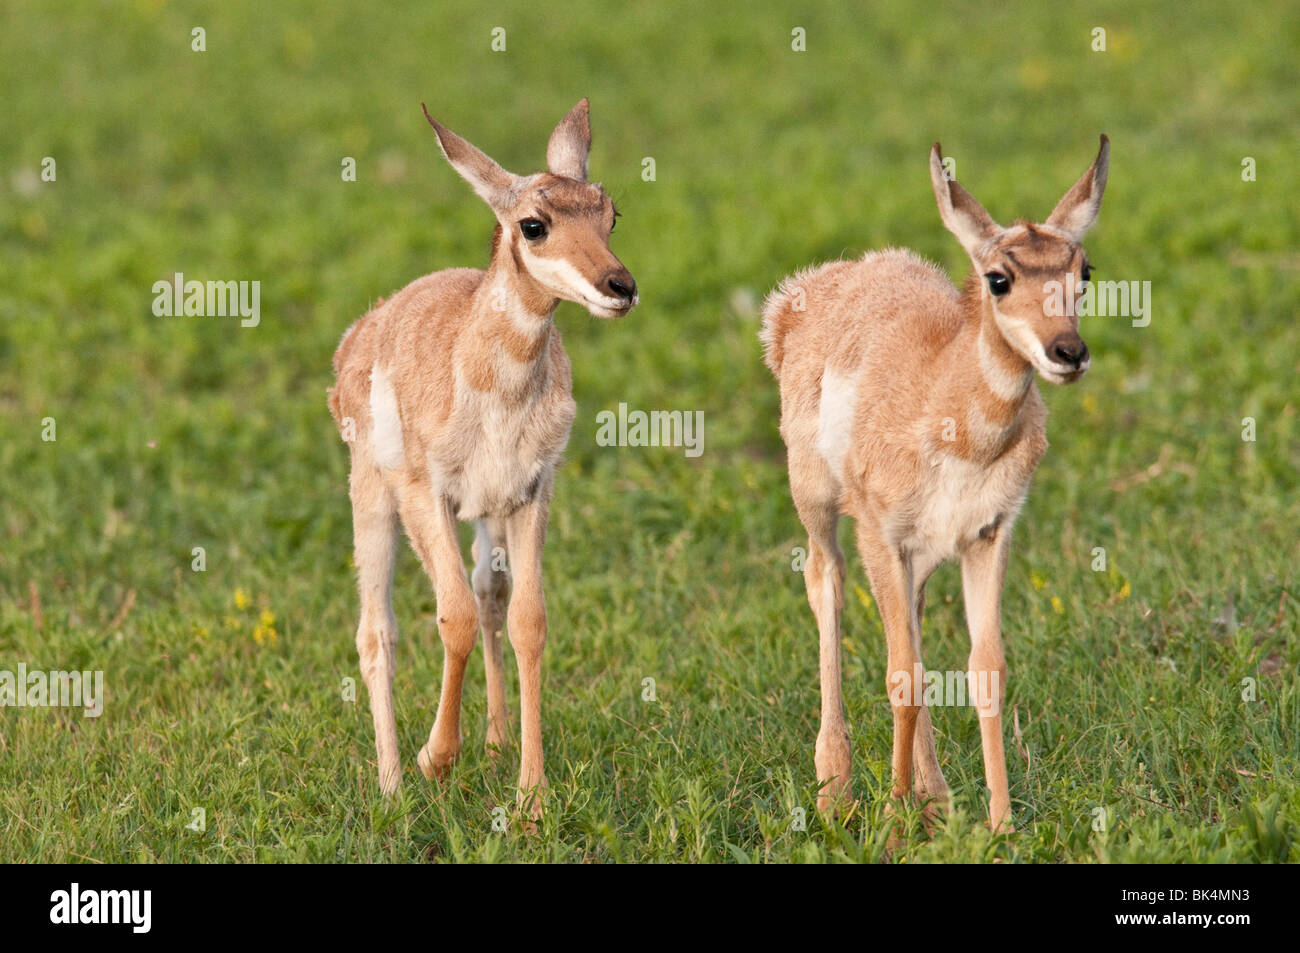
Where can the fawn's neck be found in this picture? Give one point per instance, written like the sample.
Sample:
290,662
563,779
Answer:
987,384
511,329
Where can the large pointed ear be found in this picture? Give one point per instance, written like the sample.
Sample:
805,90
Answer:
566,153
1076,212
961,214
493,184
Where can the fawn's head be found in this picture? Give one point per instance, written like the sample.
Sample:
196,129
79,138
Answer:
555,224
1019,265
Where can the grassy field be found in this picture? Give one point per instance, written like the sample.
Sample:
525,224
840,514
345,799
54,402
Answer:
224,687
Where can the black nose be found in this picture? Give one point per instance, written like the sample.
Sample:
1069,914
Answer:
1068,349
621,285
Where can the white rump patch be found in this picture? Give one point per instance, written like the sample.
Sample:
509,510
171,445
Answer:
835,417
386,431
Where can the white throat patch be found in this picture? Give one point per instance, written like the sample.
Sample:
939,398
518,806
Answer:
1005,384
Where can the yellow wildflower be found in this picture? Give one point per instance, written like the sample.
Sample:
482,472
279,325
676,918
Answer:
863,597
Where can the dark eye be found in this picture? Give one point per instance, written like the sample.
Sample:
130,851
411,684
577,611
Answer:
532,229
999,284
1087,273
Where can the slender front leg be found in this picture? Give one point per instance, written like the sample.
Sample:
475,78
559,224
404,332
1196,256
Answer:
983,567
928,783
526,622
890,573
491,580
431,525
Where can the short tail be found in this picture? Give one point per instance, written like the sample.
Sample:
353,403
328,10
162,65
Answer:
341,360
335,410
779,316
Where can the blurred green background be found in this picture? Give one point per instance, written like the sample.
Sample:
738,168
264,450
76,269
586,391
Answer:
224,686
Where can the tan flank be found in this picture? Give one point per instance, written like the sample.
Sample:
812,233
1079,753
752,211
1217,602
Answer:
456,399
913,408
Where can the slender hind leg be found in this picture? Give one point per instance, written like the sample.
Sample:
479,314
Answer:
491,579
431,526
374,547
815,498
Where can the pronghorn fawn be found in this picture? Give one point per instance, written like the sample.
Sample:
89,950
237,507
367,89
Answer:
912,407
455,398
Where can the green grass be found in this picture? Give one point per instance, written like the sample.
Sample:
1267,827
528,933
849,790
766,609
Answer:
174,433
